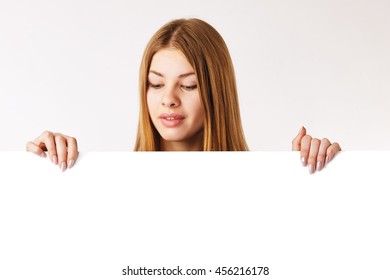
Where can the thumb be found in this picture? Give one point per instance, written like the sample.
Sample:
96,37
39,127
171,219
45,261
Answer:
296,142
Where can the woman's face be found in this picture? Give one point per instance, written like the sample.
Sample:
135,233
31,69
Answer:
174,102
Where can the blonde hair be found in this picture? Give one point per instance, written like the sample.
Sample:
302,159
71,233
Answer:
208,54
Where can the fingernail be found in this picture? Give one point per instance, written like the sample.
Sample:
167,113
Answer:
300,130
63,166
326,159
319,165
70,163
43,154
311,168
303,159
55,160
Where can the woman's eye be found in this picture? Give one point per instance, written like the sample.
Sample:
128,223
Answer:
189,88
155,86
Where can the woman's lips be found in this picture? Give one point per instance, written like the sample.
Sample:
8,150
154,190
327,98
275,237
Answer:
171,120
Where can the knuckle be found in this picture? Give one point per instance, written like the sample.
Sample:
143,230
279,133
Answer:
72,140
325,141
306,138
333,147
337,146
315,141
47,134
58,137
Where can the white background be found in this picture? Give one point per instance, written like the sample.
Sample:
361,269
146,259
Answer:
72,66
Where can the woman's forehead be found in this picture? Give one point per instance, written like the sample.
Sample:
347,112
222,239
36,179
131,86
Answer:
170,62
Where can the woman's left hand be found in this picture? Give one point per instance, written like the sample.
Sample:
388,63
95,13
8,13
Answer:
315,153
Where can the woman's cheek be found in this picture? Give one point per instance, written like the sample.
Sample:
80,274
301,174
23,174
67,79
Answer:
152,101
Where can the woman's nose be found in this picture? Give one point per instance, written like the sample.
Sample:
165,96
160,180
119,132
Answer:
170,98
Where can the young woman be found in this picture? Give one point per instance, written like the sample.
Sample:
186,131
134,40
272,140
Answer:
188,101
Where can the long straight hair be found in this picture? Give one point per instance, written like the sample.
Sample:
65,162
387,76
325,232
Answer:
209,56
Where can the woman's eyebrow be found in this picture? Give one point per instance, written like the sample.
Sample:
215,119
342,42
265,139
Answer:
186,74
180,76
156,73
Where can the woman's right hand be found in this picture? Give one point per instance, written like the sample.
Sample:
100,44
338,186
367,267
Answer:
62,149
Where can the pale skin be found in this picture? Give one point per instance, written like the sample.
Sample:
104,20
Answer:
174,103
175,109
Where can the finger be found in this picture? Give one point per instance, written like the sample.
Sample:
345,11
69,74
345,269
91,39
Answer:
314,148
305,148
62,151
331,151
325,143
296,142
47,139
72,151
33,148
